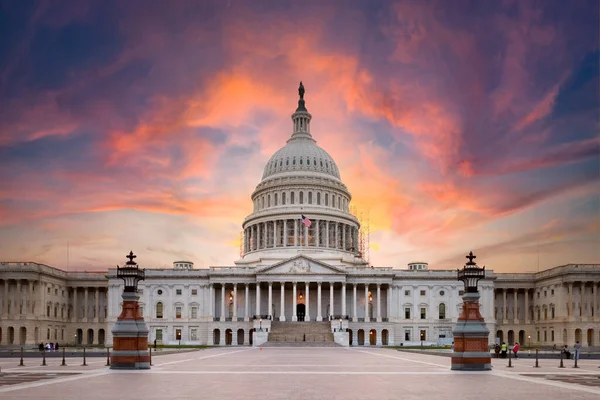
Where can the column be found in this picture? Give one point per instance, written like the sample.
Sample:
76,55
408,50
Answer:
594,300
295,232
211,301
379,302
294,316
285,237
344,299
270,308
570,300
366,304
75,310
85,302
326,233
275,233
354,309
31,302
504,311
515,312
343,236
526,306
331,307
246,302
337,236
234,316
282,313
96,305
222,302
17,301
258,236
305,236
317,233
258,299
319,316
307,288
5,301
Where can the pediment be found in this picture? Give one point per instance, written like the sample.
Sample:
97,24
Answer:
300,265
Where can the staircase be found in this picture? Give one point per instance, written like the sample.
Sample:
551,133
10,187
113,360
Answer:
301,334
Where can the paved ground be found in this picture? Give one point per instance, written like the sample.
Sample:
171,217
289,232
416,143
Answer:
299,373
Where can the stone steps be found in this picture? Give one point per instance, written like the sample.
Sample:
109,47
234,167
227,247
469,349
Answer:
306,334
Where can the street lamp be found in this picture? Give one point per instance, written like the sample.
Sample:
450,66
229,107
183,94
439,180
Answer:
131,274
340,324
260,324
529,337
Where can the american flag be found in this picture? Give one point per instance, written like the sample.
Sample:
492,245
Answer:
307,222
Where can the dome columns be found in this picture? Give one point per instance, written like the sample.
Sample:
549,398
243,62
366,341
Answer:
290,233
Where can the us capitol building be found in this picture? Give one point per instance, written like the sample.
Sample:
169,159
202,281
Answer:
299,279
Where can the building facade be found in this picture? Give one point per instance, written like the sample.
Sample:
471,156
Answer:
302,260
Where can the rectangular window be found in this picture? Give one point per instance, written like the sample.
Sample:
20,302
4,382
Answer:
178,334
552,292
407,292
538,295
407,335
545,293
538,336
545,336
422,293
177,312
194,312
178,292
423,334
423,313
159,334
194,292
407,313
552,335
194,334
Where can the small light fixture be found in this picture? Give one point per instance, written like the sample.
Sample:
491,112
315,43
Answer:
300,296
230,298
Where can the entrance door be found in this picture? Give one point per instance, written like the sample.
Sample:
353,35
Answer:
300,311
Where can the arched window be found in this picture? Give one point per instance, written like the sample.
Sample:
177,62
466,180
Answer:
275,199
309,197
283,199
301,197
442,311
292,198
318,198
159,310
269,200
327,199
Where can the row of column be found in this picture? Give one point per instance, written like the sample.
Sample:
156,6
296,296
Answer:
291,232
44,303
569,303
306,301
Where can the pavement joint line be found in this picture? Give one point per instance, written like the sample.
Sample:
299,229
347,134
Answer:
45,382
402,358
196,372
538,381
200,358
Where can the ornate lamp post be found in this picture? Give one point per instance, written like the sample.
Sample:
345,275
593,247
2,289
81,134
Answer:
471,349
260,324
130,334
340,324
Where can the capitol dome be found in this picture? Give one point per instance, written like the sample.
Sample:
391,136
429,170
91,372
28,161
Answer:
300,205
301,154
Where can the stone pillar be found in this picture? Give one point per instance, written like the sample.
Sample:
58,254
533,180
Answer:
317,233
526,306
307,286
258,247
258,299
6,311
282,313
367,316
471,351
515,303
130,336
343,236
319,316
295,232
275,233
31,302
331,306
305,230
222,302
270,308
504,309
337,236
594,300
344,299
85,304
378,304
17,301
570,301
354,309
326,233
97,311
285,233
294,316
75,309
211,301
246,303
235,302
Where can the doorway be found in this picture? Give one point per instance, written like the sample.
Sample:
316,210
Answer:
300,311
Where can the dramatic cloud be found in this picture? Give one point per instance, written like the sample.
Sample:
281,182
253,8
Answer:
455,126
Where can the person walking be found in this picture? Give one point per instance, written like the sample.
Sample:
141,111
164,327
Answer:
516,350
497,350
577,349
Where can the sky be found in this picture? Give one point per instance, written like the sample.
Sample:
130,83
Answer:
145,126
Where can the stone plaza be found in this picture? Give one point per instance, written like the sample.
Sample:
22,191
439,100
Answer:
298,373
